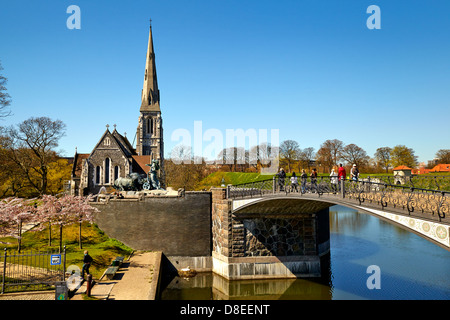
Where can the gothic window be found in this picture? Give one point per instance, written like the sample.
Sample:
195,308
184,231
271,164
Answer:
97,175
149,126
107,142
107,165
116,173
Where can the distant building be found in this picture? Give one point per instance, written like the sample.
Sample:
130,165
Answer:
114,156
401,173
441,168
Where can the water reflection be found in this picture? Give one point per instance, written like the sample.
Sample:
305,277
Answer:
411,268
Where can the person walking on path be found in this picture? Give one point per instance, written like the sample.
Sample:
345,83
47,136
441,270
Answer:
87,260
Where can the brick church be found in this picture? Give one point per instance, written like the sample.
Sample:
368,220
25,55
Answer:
114,155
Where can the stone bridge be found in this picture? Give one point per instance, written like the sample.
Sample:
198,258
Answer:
272,230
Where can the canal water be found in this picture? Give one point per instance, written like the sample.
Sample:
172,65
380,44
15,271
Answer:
365,251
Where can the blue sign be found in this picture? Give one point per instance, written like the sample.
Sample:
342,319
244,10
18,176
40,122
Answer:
55,259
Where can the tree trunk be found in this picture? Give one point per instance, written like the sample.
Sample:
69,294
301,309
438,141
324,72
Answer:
19,239
49,233
81,247
60,237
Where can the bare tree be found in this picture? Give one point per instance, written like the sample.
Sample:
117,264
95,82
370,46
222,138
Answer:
330,153
306,156
443,156
5,99
383,157
355,155
289,152
31,147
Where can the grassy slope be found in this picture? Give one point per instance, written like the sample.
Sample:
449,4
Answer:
102,248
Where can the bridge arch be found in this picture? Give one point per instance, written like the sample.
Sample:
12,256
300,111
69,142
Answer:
294,205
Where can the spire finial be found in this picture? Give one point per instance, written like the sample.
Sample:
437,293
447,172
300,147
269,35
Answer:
107,127
150,22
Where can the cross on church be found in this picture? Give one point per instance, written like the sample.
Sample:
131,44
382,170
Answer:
150,23
107,126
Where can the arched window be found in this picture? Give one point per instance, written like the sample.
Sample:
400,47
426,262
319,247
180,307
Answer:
149,126
116,173
97,175
107,165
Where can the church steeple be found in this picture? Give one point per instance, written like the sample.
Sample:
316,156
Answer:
150,91
149,134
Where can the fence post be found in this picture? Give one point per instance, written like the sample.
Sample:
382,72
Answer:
342,188
64,264
274,185
4,272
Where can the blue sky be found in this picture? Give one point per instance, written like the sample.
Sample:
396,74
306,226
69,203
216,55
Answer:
311,69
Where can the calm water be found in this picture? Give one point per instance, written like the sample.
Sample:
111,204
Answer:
410,268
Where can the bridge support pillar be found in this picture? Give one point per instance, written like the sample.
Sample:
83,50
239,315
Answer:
263,247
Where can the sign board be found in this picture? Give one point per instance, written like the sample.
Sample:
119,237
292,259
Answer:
61,291
55,259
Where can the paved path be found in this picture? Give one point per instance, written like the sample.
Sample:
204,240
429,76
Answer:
137,279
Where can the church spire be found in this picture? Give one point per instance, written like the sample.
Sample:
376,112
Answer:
150,91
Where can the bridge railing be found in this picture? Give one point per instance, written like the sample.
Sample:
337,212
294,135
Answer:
373,192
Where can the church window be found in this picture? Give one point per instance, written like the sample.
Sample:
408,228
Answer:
107,165
107,142
116,173
97,175
149,126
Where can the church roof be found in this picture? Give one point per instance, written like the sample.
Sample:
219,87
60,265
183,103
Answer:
78,164
123,142
140,163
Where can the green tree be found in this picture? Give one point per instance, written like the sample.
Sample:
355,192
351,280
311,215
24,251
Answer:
402,155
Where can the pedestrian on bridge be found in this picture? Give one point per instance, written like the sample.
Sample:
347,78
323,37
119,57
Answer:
334,181
354,172
304,176
313,177
342,174
281,177
294,182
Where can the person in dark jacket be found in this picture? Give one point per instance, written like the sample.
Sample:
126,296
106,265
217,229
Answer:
87,260
281,177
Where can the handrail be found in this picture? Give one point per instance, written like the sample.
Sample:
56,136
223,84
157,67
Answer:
405,197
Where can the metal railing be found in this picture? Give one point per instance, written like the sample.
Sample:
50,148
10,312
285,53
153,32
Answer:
373,192
31,271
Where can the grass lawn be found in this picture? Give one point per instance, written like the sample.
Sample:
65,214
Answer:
102,248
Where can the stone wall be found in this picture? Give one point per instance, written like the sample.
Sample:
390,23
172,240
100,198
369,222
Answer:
261,246
280,237
175,225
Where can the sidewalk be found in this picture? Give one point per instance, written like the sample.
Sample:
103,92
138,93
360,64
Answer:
137,279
